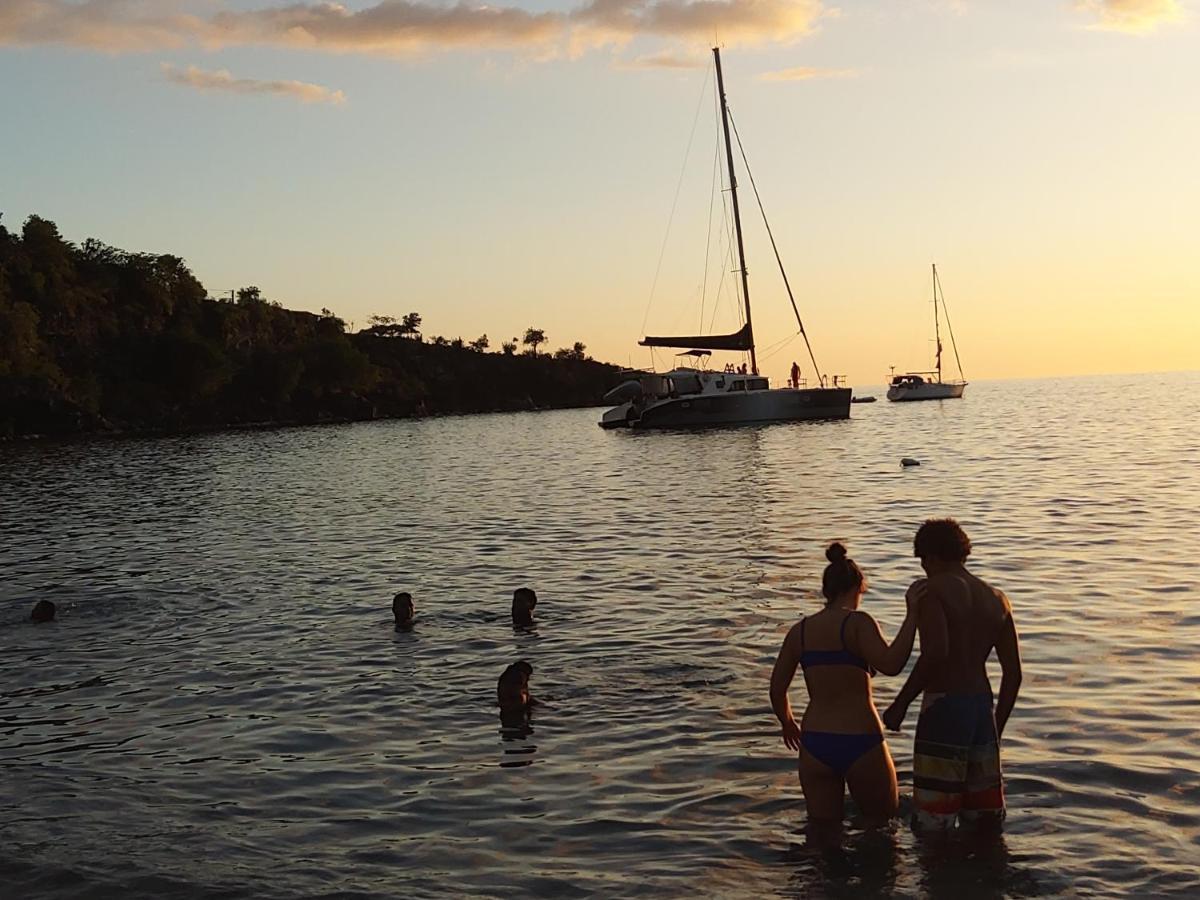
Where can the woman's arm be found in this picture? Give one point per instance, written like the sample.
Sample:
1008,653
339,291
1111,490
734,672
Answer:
781,680
931,623
888,659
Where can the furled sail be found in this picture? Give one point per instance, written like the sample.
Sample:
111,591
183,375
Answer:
739,340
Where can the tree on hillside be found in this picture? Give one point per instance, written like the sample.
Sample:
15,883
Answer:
412,324
480,343
575,352
385,326
248,296
327,315
533,337
457,343
509,347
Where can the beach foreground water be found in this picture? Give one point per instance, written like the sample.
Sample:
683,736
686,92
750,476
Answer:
224,710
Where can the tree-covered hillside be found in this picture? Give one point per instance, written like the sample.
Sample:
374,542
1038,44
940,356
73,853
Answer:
95,339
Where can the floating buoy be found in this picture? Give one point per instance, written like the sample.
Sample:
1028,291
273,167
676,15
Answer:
909,461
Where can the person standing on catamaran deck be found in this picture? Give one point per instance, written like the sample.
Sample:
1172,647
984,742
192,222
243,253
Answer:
795,375
956,754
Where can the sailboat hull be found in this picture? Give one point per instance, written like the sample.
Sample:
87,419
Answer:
752,407
926,391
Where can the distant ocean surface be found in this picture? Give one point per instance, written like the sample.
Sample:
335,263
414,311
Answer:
224,710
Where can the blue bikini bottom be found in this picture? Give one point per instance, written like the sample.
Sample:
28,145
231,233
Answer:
839,751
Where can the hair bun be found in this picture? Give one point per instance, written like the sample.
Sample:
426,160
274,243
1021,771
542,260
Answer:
836,552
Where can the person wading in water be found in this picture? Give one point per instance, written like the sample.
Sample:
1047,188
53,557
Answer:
840,737
956,754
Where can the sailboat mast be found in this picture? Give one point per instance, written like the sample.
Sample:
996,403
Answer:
937,334
737,215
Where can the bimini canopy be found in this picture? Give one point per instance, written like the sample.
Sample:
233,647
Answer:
739,340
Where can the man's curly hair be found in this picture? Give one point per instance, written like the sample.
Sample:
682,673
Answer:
943,539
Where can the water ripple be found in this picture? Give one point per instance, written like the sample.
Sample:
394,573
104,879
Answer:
223,708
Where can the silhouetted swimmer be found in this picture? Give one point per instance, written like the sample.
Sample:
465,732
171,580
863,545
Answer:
524,600
43,611
403,610
512,689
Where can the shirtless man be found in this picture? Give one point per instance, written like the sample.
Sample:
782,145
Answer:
956,754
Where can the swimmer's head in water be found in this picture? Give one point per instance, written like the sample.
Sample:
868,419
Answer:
403,609
524,600
512,690
941,540
43,611
842,576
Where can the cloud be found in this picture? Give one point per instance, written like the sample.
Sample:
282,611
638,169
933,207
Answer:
222,80
1131,16
400,26
116,26
729,21
807,73
391,26
664,61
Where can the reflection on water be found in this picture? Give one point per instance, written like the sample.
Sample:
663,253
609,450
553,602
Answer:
224,707
865,864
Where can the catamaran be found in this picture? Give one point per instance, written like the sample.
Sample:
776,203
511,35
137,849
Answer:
918,385
695,397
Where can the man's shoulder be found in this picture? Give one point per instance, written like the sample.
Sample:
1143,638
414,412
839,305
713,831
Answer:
994,593
1002,599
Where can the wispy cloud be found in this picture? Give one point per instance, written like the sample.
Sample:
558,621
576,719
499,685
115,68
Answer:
664,61
400,26
1131,16
115,26
732,21
807,73
222,80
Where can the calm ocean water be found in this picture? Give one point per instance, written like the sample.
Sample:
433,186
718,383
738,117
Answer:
224,710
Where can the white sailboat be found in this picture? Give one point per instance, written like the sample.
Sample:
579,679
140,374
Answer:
930,385
693,396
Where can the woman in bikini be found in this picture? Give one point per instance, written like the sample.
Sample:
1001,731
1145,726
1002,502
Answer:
840,737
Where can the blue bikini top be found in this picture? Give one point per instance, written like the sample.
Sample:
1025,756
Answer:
842,657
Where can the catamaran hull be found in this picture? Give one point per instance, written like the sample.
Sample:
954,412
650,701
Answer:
722,410
927,391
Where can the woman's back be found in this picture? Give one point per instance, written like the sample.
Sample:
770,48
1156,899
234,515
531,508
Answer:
837,677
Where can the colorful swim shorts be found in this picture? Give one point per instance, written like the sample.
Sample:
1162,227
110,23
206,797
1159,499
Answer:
956,762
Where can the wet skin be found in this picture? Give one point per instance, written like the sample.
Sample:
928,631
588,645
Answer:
840,701
962,621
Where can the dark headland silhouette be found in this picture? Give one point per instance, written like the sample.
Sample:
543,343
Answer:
96,339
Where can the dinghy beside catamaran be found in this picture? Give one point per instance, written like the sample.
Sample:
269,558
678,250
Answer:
917,385
695,397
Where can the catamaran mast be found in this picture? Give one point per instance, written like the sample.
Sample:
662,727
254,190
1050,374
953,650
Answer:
937,334
737,215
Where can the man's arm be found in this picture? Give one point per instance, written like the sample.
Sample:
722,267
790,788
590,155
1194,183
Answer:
935,647
1008,651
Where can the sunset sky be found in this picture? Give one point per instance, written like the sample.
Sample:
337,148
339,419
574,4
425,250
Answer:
496,167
